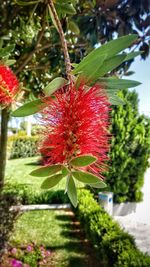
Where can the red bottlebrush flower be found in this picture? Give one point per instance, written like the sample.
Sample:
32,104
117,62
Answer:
8,85
76,123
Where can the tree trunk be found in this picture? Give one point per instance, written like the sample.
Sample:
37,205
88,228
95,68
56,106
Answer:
3,144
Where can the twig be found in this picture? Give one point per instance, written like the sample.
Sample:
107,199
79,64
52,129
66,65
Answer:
63,40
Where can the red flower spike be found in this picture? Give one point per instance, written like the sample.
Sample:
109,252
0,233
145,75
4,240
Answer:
76,123
8,85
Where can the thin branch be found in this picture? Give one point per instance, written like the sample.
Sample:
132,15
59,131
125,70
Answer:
63,40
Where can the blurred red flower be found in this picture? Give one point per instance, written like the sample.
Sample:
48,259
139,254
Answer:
8,85
76,123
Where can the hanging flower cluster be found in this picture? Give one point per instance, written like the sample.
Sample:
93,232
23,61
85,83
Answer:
9,85
76,123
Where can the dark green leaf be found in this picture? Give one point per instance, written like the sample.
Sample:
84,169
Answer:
82,161
29,108
54,85
86,177
46,171
65,8
52,181
71,191
110,49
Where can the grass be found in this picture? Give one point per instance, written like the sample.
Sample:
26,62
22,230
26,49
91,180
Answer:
18,171
58,231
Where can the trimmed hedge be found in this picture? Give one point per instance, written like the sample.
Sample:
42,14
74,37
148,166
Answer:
116,247
26,195
22,146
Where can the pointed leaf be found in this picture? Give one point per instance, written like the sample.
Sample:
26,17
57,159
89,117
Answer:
10,62
82,161
46,171
71,191
29,108
114,83
65,8
92,71
111,48
52,181
110,64
86,177
52,17
54,85
6,50
98,185
132,55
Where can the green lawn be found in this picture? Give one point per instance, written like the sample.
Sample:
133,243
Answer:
58,231
18,171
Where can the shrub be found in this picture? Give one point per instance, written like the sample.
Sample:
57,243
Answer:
21,146
116,247
24,194
130,149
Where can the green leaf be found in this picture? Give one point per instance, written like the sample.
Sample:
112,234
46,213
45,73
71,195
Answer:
54,85
86,177
82,161
114,83
26,3
115,100
87,66
65,8
6,51
72,26
65,170
110,49
98,185
92,71
111,64
132,55
29,108
52,18
10,62
46,171
71,191
52,181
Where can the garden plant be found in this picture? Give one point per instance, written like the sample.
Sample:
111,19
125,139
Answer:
72,97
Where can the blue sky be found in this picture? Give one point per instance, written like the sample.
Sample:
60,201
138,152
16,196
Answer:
142,74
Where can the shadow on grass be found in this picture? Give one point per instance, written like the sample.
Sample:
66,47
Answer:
81,252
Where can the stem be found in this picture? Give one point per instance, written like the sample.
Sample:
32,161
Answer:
3,144
63,40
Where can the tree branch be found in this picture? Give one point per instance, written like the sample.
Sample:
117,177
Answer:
63,40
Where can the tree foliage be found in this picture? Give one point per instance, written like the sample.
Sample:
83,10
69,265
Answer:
130,149
38,53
